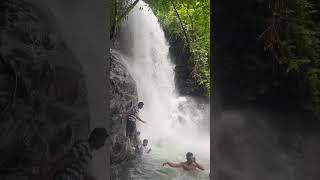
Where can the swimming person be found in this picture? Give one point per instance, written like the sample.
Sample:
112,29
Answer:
189,165
143,148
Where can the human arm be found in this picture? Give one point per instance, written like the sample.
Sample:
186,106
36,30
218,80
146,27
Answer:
58,161
124,115
71,156
173,165
140,119
198,165
149,150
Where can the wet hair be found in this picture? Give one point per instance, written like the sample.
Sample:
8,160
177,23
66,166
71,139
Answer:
138,132
98,133
145,140
188,155
140,104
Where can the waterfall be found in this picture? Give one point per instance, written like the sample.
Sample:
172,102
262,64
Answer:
172,120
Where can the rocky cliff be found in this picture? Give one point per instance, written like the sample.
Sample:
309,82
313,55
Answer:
43,99
122,96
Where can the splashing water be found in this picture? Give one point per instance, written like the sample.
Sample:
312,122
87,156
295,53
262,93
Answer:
172,121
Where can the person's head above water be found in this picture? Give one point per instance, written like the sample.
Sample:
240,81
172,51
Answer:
138,133
189,157
97,138
140,105
145,142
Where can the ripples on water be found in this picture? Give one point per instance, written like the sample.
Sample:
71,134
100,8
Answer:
149,167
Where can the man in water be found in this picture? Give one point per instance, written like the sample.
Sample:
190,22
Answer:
75,163
142,149
131,121
189,165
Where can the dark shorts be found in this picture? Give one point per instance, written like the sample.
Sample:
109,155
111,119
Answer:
131,128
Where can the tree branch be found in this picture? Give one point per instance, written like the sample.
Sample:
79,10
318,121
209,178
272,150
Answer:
183,29
187,9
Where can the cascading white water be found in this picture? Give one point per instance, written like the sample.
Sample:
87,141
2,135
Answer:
172,121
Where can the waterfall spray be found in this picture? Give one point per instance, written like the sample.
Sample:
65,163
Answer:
172,120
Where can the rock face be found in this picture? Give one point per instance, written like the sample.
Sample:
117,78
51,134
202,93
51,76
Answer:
123,96
43,99
182,59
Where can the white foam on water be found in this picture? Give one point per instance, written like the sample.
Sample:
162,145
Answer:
172,120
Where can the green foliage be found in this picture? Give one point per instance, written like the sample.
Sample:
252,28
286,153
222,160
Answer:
298,47
195,17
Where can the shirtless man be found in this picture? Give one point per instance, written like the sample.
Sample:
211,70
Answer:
189,165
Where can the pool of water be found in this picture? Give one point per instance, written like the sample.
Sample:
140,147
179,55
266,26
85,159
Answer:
149,167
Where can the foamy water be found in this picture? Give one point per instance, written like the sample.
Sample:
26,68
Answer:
173,122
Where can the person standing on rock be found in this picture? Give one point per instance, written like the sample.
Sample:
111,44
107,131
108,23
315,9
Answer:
132,117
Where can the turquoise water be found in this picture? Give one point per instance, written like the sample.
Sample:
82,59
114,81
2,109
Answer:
149,167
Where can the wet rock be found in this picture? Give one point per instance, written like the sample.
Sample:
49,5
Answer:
123,94
43,97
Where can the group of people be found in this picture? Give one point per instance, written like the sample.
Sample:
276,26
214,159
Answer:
139,147
134,137
74,164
